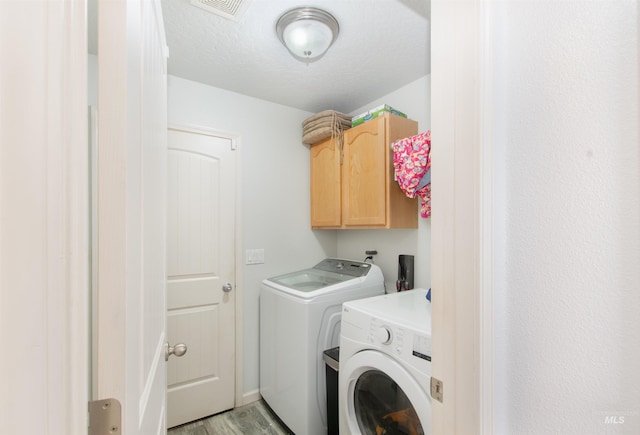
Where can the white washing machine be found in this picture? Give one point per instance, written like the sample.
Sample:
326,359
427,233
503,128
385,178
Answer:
385,365
299,319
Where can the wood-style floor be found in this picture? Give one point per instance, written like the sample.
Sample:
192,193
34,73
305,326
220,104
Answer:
254,418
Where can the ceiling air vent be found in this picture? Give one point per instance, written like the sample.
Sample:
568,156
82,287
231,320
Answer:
230,9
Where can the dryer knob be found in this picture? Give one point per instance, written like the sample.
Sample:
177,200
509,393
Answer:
384,335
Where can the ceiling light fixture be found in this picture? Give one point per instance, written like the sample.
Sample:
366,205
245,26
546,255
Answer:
307,32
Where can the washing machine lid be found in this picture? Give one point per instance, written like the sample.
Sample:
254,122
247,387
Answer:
326,273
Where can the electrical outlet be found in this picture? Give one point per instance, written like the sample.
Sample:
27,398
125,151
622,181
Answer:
254,256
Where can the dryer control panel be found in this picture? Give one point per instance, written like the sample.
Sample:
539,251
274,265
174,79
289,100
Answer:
399,340
422,347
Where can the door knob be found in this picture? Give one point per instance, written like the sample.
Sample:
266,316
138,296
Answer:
177,350
227,287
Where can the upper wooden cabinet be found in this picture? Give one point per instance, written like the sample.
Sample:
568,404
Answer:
359,191
325,184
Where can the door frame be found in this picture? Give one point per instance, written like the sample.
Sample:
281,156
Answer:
462,215
44,313
236,141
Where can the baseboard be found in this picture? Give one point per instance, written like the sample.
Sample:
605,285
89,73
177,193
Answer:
250,396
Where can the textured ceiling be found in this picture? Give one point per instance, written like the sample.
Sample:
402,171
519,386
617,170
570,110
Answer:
383,45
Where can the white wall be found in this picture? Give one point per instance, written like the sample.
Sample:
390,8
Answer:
414,100
275,191
567,295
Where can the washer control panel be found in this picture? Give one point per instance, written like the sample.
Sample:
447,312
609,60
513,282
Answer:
345,267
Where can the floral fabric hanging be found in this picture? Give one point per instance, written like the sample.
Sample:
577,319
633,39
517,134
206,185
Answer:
412,165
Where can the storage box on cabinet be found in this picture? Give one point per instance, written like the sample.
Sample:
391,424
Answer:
361,192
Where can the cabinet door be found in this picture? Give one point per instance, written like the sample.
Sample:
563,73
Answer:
325,184
364,175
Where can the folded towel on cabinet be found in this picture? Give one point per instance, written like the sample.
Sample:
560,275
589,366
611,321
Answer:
412,165
324,125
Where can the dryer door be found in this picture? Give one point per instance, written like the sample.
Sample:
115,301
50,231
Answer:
381,396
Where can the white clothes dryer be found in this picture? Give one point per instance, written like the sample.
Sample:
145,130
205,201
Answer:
300,315
385,365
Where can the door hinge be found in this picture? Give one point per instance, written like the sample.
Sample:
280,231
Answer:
105,417
436,389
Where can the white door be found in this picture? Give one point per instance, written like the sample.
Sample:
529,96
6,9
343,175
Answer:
132,163
200,263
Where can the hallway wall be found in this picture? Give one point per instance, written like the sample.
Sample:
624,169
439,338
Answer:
567,295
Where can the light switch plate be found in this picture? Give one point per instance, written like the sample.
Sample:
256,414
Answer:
254,256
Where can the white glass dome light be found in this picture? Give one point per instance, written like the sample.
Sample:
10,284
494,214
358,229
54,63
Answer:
307,32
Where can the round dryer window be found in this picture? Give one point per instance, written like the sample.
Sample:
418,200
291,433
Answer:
382,407
381,396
